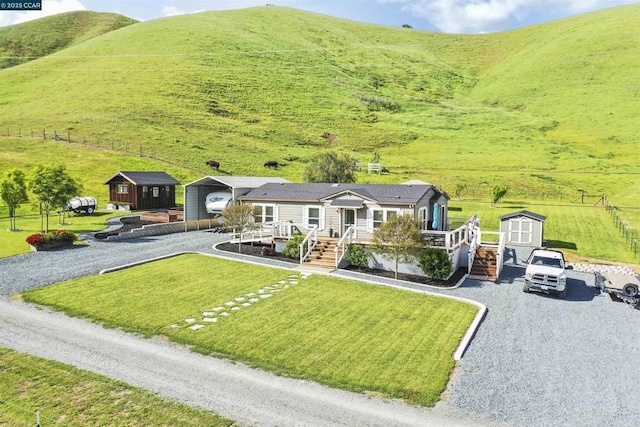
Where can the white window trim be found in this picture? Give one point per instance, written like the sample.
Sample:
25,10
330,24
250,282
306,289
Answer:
262,206
124,186
385,211
305,216
423,217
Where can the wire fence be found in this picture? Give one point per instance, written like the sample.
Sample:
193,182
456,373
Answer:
19,415
630,237
113,145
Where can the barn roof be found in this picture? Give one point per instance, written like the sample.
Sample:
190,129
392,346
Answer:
146,178
526,213
382,193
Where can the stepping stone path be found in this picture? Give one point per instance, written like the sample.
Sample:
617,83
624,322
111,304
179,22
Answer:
246,301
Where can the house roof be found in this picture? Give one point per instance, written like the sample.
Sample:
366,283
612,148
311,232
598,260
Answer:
526,213
237,181
312,192
146,178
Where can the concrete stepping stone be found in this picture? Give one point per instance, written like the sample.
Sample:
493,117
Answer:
261,291
196,327
210,319
208,313
224,313
217,308
286,286
175,326
235,308
293,282
266,296
251,294
240,299
246,304
190,320
230,303
254,300
282,282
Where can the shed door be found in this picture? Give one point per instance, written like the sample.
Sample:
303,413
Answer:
520,230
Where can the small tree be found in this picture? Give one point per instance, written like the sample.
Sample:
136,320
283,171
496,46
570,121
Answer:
53,188
13,191
435,263
497,193
398,239
330,167
460,187
239,218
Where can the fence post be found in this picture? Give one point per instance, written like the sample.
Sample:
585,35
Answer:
84,140
112,145
19,132
141,151
69,137
38,418
55,135
31,133
44,134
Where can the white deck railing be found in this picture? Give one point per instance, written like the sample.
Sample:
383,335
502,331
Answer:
499,245
340,250
310,240
449,240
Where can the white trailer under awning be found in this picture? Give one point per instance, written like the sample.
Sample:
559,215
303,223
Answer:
217,201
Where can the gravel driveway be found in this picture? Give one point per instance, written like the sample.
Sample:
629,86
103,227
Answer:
535,360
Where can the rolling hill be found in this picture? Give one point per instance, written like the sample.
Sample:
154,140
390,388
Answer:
23,42
545,110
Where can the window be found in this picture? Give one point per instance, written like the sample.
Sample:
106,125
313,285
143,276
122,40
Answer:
313,217
264,213
123,189
423,218
378,216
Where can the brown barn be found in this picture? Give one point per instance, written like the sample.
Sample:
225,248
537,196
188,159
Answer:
143,190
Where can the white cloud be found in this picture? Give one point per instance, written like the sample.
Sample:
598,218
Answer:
174,11
49,7
478,16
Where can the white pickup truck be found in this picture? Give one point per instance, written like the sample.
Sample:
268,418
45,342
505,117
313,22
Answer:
546,273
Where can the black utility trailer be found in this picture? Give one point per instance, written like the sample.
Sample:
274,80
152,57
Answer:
624,287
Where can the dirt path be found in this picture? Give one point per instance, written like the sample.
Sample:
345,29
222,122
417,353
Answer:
249,396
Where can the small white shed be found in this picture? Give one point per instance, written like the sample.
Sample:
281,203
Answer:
523,228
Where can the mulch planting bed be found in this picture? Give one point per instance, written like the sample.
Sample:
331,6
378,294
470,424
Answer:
455,278
255,249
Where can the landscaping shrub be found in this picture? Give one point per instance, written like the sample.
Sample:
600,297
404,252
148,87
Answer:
435,263
39,239
292,247
358,256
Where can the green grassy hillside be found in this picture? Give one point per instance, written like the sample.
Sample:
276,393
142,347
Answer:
545,110
22,42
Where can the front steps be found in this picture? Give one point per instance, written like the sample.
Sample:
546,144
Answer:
485,265
323,255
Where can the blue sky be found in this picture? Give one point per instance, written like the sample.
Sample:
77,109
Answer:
449,16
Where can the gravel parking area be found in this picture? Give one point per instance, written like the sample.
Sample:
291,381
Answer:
536,360
37,269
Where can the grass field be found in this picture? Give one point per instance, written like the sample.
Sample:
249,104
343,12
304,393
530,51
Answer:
546,110
341,333
68,396
13,242
582,232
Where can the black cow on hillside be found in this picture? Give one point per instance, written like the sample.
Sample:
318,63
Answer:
271,164
213,164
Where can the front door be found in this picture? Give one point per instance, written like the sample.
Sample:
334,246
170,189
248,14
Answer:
348,219
155,199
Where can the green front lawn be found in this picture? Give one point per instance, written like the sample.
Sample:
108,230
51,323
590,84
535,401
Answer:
340,333
13,242
68,396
